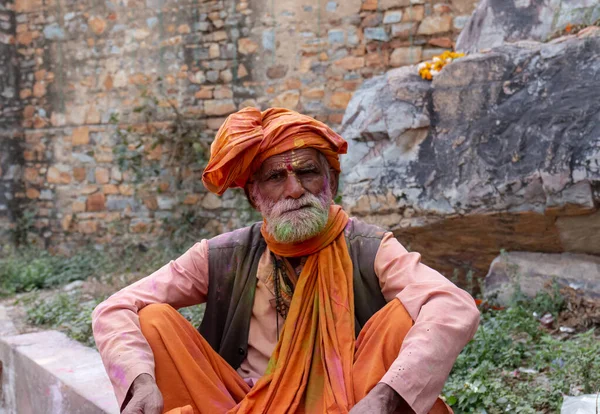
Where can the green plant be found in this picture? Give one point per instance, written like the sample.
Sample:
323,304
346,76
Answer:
183,145
72,314
513,365
24,224
67,313
194,314
26,269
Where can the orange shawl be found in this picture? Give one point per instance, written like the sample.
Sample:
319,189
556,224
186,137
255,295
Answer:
249,137
311,367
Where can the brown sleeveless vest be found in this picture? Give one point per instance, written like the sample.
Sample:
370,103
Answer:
232,265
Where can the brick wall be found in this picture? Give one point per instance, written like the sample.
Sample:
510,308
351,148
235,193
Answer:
85,74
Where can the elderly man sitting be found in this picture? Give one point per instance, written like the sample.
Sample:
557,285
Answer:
309,311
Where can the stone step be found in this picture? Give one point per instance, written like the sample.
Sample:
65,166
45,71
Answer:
49,373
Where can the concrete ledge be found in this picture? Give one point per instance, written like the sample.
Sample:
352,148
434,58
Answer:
48,373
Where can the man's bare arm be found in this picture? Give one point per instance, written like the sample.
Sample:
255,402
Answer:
122,346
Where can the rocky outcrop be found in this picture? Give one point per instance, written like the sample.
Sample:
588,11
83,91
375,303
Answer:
534,272
500,151
497,21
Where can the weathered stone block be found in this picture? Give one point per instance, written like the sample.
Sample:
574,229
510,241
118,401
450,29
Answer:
66,221
372,20
392,16
444,42
219,107
126,189
87,226
78,207
413,14
56,176
223,93
435,24
242,72
369,5
166,202
110,189
25,6
404,30
102,175
336,36
314,93
533,273
376,33
204,93
247,46
288,99
226,76
339,100
79,173
406,56
32,193
459,22
277,71
191,199
211,202
390,4
95,202
81,136
351,62
97,24
214,51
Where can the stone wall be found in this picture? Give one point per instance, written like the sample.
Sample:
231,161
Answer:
11,158
87,76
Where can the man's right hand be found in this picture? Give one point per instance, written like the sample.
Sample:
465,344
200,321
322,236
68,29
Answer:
145,396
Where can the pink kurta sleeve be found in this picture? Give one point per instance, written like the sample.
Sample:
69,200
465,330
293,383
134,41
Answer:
445,319
124,350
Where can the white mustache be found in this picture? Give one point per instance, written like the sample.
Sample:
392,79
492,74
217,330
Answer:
289,206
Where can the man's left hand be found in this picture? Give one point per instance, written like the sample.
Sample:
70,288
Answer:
381,400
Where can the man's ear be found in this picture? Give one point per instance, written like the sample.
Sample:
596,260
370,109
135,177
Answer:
334,180
248,190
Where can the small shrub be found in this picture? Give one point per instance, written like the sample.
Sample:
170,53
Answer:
72,314
29,269
67,313
26,270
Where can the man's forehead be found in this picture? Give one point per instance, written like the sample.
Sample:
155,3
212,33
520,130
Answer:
291,158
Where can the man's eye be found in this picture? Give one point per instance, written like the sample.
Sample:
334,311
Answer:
274,177
308,171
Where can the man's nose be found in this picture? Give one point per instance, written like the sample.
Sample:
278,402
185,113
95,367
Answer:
293,187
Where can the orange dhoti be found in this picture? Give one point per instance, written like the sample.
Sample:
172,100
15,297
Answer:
193,378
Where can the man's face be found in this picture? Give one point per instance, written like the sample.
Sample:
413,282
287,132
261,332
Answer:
293,191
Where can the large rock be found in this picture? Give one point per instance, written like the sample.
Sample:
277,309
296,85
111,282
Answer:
535,272
497,21
500,151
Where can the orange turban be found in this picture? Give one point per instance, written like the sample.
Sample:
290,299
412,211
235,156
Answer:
249,137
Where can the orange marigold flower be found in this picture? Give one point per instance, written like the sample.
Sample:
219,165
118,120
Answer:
429,69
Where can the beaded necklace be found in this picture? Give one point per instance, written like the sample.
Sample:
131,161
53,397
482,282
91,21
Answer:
282,282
